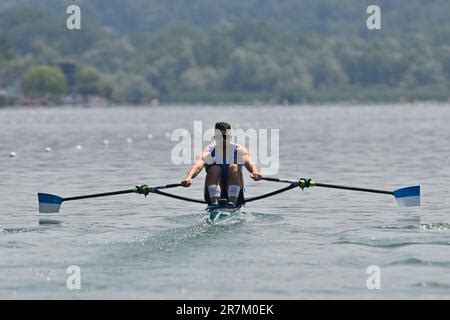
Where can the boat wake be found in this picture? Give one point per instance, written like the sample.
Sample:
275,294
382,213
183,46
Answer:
197,234
244,216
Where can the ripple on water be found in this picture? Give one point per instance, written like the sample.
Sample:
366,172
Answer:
406,227
408,223
390,243
17,230
400,234
435,226
438,226
15,244
431,285
421,262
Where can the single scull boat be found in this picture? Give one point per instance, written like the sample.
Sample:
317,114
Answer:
407,197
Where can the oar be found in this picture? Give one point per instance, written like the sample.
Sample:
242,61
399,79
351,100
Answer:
50,203
406,197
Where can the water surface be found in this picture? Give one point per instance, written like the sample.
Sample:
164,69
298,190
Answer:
314,243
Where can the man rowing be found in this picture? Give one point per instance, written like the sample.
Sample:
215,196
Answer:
223,161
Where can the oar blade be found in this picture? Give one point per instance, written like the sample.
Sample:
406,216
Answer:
408,197
49,203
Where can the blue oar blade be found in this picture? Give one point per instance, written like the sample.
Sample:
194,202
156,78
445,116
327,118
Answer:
49,203
408,197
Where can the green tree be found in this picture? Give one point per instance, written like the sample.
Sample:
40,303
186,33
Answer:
326,71
444,58
424,72
250,71
6,52
382,62
295,82
90,81
235,50
44,81
133,89
201,78
214,51
43,53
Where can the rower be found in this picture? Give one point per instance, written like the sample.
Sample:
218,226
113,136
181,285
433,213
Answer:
223,161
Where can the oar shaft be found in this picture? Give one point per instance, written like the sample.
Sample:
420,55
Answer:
167,186
325,185
333,186
279,180
105,194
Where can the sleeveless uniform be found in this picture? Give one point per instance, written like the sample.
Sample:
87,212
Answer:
224,164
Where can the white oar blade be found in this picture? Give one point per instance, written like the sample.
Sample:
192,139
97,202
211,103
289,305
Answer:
408,197
49,203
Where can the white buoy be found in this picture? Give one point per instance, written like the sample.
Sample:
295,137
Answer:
13,155
78,147
167,135
149,136
129,140
154,103
48,149
105,142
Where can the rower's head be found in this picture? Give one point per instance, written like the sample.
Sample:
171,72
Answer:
222,131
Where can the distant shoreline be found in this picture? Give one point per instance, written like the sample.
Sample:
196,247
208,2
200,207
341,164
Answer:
348,96
423,103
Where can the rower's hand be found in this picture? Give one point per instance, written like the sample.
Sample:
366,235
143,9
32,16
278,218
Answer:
256,176
186,182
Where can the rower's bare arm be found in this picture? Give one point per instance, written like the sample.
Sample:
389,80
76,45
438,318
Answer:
196,168
250,165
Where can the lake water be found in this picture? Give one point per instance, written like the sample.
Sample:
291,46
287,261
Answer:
316,243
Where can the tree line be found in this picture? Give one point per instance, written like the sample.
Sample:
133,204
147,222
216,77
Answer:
242,62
